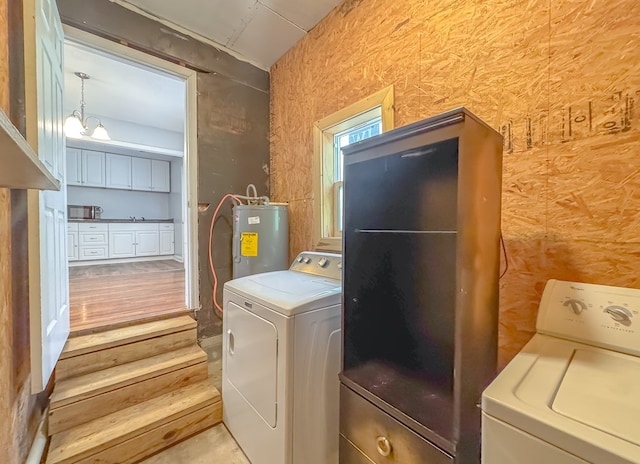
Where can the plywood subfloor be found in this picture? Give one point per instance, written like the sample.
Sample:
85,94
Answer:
116,294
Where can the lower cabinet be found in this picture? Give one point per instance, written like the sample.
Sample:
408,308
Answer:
93,241
112,240
167,239
133,239
72,242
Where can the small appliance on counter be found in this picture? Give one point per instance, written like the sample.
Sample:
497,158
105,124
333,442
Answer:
84,212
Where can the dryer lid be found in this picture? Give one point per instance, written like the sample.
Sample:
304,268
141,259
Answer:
288,292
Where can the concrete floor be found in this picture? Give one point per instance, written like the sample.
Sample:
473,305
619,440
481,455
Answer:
214,445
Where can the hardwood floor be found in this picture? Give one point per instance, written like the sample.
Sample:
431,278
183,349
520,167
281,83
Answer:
108,295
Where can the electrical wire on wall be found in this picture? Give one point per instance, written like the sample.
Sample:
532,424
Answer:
251,200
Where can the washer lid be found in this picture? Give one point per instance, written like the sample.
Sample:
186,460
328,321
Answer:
581,417
602,390
288,292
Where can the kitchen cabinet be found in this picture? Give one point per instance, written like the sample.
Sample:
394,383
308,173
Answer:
151,175
88,168
72,242
93,241
113,240
141,173
128,240
118,171
167,238
160,176
85,168
420,290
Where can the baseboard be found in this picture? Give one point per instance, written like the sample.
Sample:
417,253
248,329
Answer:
120,260
180,259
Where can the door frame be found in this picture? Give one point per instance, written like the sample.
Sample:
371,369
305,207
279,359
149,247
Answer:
190,158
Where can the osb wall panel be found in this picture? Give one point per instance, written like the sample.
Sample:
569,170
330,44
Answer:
559,80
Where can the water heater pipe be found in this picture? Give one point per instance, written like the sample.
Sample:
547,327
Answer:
238,198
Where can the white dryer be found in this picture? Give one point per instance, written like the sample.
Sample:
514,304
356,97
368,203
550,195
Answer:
572,395
281,359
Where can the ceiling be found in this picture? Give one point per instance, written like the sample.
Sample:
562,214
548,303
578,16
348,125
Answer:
123,90
258,31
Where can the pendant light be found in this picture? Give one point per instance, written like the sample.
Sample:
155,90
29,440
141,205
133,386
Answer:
75,126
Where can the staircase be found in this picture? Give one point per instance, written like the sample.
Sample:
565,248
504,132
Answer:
124,394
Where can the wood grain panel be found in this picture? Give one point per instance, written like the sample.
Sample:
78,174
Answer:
100,298
64,417
569,193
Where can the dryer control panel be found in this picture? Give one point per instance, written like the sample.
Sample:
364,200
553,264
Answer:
598,315
327,265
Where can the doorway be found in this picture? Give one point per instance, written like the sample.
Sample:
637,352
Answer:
132,284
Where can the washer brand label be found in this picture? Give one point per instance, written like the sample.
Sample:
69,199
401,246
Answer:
249,244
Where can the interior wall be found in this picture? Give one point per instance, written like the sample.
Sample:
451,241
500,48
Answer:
560,81
120,204
232,120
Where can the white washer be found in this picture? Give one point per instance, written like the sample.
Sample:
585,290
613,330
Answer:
572,395
281,359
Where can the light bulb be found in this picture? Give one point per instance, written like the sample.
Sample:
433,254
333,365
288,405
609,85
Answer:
73,127
100,133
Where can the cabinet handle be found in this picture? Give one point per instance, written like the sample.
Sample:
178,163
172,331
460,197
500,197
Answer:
383,446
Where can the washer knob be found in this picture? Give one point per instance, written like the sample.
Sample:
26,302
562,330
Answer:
577,305
307,260
323,262
619,314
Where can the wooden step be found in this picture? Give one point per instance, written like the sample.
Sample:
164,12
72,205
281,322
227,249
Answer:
83,398
133,433
88,353
108,339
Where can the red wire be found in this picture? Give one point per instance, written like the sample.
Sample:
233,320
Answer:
213,271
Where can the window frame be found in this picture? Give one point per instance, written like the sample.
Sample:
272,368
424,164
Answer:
325,187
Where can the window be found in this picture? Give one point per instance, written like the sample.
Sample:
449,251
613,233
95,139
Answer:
366,118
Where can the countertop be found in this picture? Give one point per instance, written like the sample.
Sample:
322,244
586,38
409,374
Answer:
121,220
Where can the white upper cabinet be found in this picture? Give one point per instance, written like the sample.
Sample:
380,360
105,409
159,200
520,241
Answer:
160,176
85,168
74,166
118,171
141,174
88,168
93,174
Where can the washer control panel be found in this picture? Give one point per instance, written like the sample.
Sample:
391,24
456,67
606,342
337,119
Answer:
327,265
595,314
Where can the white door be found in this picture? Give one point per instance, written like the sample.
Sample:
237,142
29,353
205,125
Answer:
51,327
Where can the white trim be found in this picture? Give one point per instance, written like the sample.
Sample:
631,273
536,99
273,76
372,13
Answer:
190,186
382,104
36,453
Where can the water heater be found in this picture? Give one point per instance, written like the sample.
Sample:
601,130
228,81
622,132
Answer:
260,239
